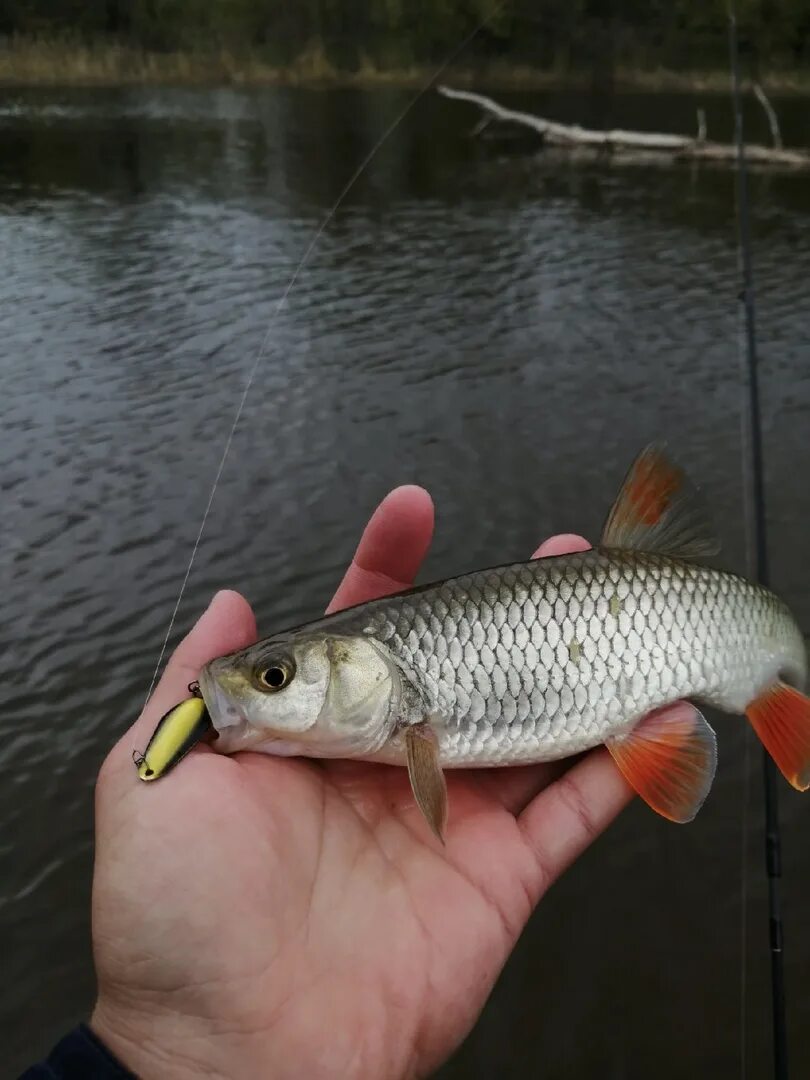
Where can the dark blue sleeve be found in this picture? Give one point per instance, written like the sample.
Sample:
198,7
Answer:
78,1056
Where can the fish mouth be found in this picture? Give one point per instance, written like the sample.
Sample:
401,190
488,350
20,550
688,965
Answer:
224,714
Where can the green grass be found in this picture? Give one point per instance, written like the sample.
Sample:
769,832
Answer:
26,61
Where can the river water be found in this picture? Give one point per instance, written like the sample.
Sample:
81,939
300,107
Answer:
507,330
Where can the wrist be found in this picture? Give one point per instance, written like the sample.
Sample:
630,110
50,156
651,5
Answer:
156,1046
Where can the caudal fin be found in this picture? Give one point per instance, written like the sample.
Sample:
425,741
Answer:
781,718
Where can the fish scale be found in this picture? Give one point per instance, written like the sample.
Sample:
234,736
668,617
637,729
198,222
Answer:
541,660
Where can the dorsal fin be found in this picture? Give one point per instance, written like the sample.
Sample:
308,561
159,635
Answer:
658,510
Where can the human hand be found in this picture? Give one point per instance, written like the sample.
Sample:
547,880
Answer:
276,917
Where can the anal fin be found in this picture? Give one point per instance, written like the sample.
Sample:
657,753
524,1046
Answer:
669,759
781,718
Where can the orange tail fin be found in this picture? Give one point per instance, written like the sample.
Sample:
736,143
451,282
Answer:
781,719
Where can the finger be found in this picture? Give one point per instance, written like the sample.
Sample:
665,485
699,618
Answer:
562,544
227,624
569,815
391,550
515,788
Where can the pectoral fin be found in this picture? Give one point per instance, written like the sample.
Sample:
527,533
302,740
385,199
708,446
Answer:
669,759
426,776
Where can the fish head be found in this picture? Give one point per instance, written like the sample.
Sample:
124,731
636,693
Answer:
310,694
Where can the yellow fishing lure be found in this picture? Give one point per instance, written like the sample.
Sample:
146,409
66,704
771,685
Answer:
177,732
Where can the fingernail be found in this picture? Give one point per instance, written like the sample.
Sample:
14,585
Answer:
215,600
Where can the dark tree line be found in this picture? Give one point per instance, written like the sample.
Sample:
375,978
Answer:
395,33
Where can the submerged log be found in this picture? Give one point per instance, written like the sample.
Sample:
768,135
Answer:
628,143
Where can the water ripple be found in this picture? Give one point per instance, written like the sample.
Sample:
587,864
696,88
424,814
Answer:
504,330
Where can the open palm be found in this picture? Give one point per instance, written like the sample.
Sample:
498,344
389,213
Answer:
257,916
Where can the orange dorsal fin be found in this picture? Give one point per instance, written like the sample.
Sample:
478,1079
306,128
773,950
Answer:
669,759
781,718
658,510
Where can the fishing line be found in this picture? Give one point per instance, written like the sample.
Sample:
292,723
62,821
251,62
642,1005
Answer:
310,248
757,551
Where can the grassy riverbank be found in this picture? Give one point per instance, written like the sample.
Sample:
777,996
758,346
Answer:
26,61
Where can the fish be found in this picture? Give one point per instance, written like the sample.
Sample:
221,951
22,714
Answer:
539,661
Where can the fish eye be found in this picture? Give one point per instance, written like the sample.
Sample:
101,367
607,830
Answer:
277,676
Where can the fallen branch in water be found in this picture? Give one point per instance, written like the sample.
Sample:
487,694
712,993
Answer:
701,135
627,143
770,112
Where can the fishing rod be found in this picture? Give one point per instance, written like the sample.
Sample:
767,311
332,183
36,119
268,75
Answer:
758,549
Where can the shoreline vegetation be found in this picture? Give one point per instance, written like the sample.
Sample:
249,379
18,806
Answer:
27,61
